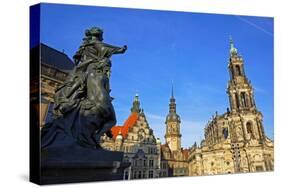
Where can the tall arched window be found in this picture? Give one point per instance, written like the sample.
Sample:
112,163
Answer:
238,70
225,132
243,99
249,127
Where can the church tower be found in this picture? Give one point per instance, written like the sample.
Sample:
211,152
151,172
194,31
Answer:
241,97
240,91
136,105
173,136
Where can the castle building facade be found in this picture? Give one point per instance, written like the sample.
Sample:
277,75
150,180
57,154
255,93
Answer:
136,139
55,66
235,142
173,156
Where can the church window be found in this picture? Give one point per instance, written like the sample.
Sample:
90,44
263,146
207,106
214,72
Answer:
249,128
225,132
243,99
238,70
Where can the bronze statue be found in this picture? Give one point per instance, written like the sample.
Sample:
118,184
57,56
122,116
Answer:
83,109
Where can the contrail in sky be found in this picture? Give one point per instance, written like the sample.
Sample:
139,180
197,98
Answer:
255,25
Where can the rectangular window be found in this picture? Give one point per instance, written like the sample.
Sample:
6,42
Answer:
143,174
140,162
139,175
150,174
150,163
164,165
144,162
126,175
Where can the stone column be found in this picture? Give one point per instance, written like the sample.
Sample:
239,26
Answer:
238,99
248,103
260,127
252,99
244,129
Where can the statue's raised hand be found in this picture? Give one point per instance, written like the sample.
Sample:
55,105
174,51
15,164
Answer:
124,48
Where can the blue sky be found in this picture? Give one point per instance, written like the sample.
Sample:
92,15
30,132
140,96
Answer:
189,49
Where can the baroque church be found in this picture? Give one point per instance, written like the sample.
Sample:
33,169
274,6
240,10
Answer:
235,142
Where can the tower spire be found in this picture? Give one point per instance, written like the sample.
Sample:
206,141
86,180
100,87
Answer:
172,105
233,50
239,89
173,136
172,92
231,42
136,104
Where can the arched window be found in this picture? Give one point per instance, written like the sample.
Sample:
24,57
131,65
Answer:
243,99
225,132
249,127
238,70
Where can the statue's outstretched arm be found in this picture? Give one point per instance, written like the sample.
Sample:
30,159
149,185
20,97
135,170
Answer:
116,49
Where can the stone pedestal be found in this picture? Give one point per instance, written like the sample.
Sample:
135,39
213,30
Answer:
78,164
